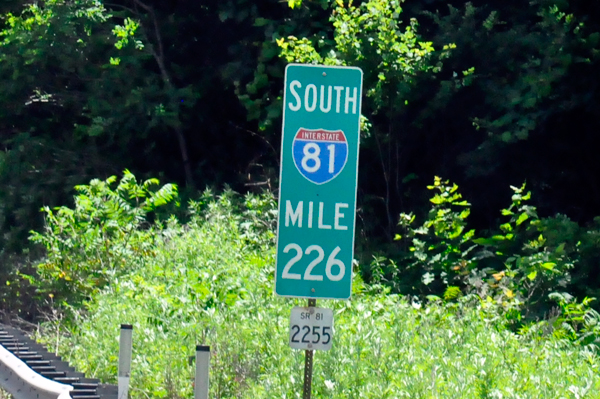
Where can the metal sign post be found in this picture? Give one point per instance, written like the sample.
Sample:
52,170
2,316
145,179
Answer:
308,363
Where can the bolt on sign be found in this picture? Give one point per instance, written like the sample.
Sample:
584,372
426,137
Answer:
318,177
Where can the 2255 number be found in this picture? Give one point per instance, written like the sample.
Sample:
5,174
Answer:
320,335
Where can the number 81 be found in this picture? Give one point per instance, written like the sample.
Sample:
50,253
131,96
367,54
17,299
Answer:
311,152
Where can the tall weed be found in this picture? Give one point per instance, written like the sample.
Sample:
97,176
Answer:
209,282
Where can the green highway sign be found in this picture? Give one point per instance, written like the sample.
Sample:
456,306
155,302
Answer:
317,192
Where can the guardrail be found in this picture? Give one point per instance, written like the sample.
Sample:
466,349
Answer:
28,370
24,383
47,365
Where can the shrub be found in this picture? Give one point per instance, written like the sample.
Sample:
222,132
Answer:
94,242
577,320
518,266
208,283
529,258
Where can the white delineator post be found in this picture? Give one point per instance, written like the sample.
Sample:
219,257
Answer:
125,344
202,367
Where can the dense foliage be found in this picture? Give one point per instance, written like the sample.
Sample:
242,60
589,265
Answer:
113,219
210,281
489,94
526,265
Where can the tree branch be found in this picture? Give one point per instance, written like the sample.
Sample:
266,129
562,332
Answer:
160,60
160,56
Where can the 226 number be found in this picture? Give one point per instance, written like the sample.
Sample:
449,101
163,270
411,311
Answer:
331,262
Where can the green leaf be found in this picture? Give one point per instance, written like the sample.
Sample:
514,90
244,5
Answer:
433,298
549,265
294,3
506,227
506,137
261,21
452,292
531,276
484,241
428,278
524,216
437,200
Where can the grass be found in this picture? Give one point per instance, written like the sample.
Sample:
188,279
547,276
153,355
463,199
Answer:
210,282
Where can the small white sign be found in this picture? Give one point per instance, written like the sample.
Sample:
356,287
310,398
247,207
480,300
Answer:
311,328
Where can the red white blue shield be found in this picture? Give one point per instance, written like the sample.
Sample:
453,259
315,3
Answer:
320,155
